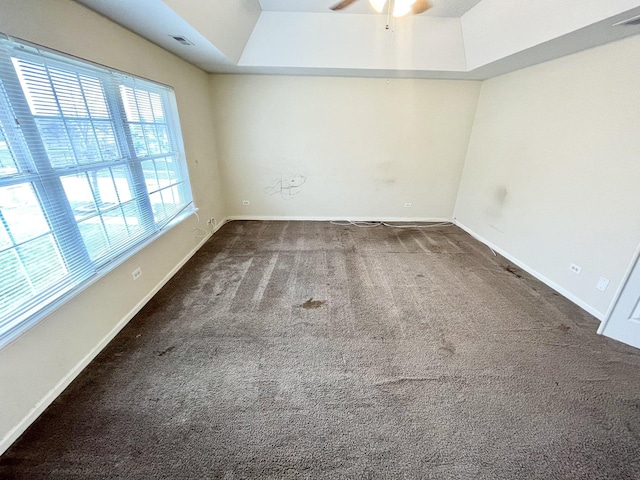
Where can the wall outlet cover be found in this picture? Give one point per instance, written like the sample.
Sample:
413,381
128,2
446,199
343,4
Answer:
137,273
602,284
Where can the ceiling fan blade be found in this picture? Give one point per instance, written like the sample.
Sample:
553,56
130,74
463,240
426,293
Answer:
420,6
342,4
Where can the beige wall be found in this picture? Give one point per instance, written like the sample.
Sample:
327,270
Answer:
365,147
552,176
41,359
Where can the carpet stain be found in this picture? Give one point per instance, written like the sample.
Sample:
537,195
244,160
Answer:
448,348
564,328
164,352
634,430
307,324
407,380
311,303
512,270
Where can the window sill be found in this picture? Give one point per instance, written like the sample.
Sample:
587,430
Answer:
37,314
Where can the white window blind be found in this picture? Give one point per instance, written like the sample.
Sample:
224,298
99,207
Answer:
91,165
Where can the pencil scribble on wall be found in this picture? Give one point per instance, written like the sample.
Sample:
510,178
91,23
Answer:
287,186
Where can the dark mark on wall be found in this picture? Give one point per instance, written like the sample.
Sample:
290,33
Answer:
500,195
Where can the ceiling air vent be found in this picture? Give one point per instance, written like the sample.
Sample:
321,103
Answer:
182,40
629,21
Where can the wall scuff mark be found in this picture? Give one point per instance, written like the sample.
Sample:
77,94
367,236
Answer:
287,186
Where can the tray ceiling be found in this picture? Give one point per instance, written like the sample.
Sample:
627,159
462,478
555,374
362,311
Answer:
458,39
441,8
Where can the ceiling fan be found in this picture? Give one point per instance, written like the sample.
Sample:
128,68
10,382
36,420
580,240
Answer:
400,8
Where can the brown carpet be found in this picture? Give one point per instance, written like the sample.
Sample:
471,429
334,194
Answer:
310,350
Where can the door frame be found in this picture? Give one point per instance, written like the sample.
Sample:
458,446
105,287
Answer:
635,262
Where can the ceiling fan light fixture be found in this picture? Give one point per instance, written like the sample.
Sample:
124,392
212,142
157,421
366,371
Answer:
402,7
377,5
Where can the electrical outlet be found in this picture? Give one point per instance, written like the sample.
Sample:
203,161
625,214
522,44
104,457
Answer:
575,268
137,273
407,205
245,202
602,284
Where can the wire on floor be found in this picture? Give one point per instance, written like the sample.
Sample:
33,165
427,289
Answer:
363,224
346,223
199,231
428,225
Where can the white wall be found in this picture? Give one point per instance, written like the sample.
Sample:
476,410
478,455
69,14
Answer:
496,29
365,146
227,24
552,176
354,41
38,363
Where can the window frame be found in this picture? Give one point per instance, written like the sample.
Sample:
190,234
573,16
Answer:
35,168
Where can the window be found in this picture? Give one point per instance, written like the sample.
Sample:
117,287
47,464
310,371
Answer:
91,166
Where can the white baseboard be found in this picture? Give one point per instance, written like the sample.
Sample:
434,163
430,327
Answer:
336,219
565,293
52,394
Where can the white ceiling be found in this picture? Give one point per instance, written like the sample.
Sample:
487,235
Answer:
465,39
441,8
